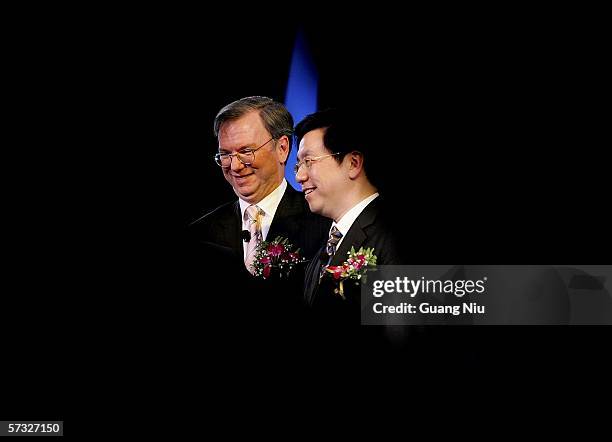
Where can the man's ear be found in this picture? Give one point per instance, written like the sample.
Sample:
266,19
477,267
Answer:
355,160
282,148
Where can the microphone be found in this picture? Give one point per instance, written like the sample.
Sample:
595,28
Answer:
246,235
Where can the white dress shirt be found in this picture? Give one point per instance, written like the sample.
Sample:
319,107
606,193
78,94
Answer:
268,205
347,220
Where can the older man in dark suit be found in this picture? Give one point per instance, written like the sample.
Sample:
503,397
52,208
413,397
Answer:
255,135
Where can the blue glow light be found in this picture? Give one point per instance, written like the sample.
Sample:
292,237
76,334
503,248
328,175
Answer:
301,95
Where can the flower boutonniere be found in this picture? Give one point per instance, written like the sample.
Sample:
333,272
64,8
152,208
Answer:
355,268
278,255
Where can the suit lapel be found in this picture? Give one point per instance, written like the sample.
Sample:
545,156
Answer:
311,283
234,231
289,207
356,235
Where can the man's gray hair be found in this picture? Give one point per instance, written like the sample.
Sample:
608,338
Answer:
275,117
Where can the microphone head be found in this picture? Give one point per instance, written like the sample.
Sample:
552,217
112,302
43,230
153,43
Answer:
246,235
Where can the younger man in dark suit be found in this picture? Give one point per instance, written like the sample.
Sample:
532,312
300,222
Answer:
334,167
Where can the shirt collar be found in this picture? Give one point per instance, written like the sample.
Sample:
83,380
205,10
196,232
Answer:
345,223
270,203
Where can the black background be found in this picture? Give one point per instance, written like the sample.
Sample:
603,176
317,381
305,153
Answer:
499,122
499,125
490,132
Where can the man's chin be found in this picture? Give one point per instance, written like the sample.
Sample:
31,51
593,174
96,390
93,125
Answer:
313,206
244,192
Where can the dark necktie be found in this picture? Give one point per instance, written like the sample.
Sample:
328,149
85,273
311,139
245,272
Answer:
332,242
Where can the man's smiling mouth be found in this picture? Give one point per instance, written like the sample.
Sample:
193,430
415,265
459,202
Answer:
243,176
308,190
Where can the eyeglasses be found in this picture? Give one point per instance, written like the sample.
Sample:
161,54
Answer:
308,161
246,157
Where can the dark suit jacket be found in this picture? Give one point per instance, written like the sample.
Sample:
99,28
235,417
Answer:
293,220
374,227
217,248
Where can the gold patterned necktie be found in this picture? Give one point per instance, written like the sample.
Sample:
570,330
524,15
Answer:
253,216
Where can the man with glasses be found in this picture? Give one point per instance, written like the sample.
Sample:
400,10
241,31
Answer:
335,167
255,136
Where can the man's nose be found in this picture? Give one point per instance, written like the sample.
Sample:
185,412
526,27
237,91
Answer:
301,176
236,164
